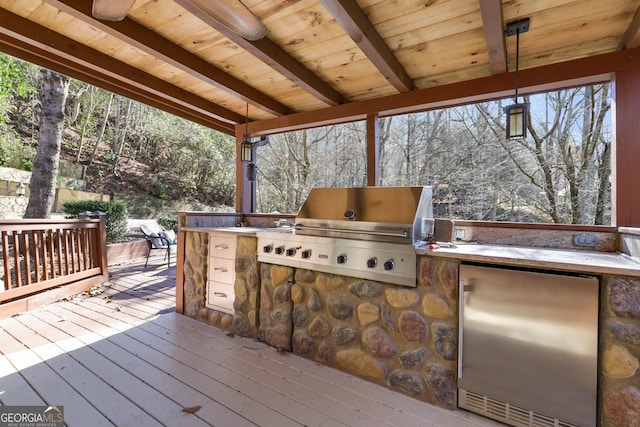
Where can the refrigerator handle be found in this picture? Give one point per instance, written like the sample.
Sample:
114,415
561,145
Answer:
460,326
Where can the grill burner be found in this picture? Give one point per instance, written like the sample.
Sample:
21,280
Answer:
360,232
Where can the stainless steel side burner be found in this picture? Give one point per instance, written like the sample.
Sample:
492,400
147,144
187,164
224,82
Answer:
367,232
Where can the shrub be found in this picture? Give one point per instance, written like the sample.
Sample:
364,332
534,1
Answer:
169,223
116,218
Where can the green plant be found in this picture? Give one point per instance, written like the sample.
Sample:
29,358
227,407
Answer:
169,223
13,153
26,164
159,188
116,215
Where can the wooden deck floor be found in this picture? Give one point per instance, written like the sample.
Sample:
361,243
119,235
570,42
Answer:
124,358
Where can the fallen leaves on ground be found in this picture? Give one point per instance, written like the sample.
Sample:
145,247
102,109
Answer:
191,409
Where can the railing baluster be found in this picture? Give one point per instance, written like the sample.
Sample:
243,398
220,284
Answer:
85,257
26,257
59,250
19,248
44,260
51,254
72,252
35,250
78,248
6,257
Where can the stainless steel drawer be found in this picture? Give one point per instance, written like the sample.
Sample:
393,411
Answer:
222,246
220,296
221,270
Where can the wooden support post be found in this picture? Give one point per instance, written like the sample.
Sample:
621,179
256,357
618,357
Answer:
373,149
625,173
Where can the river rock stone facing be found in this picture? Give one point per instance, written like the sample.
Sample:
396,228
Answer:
620,339
624,295
378,342
368,313
246,286
619,362
623,407
401,337
276,325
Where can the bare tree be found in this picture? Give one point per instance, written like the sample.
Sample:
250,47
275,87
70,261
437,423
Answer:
55,88
105,121
93,102
570,155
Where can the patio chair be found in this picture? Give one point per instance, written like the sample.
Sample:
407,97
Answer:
158,238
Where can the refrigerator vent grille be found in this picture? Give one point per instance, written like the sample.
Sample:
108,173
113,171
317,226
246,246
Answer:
505,412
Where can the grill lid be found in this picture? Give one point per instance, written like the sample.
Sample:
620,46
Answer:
389,214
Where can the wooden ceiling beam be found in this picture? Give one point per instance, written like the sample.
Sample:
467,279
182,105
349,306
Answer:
357,25
275,57
49,60
631,37
493,24
22,29
157,46
584,71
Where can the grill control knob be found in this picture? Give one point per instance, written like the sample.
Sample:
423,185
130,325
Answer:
279,250
342,259
291,251
389,265
306,254
267,249
372,262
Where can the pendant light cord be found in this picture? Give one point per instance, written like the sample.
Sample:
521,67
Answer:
246,125
517,60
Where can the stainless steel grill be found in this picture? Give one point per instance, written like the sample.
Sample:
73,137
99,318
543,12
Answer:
367,232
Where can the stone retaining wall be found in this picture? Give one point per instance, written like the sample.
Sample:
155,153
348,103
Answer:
13,207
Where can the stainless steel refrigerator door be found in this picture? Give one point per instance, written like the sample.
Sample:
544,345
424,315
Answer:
530,339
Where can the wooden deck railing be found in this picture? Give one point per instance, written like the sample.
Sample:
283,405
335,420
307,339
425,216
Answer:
42,254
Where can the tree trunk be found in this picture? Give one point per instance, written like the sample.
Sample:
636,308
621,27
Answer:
55,88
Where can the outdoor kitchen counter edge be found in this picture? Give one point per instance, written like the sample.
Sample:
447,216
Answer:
557,259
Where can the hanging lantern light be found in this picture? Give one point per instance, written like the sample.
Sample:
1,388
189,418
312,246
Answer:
516,120
246,151
516,113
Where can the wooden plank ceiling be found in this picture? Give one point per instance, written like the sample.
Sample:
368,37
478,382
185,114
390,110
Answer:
317,53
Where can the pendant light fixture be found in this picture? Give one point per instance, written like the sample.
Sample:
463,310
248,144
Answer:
247,150
516,113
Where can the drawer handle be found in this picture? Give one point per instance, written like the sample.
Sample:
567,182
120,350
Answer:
221,247
222,269
220,294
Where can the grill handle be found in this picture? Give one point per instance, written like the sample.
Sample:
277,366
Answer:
402,234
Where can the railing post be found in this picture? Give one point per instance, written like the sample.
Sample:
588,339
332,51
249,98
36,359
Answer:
180,258
102,249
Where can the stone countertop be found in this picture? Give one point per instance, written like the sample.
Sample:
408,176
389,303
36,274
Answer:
556,259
